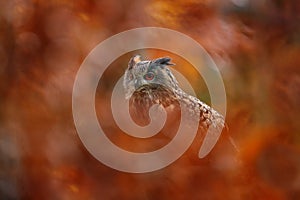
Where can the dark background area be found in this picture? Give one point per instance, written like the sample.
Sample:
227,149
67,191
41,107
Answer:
256,45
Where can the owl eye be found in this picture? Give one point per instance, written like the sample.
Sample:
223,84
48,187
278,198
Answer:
149,76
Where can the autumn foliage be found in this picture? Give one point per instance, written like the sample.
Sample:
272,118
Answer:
255,44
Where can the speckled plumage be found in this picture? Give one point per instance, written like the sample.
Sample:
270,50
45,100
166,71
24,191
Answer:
163,89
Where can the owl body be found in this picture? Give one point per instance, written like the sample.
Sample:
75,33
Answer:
151,82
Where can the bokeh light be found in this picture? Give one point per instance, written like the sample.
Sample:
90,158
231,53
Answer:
256,45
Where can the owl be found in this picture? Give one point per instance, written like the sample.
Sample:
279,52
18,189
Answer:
151,82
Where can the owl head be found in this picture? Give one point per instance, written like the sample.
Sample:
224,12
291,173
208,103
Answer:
148,74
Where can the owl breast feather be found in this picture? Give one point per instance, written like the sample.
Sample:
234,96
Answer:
145,97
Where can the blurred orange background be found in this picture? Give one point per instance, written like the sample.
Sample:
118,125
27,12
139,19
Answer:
256,45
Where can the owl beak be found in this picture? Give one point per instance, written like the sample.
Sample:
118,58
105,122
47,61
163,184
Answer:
139,83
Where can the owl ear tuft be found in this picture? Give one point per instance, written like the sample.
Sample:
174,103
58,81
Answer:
163,61
133,61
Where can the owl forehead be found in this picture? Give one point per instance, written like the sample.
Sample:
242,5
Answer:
141,67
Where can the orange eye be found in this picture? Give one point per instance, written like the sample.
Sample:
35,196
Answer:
149,76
